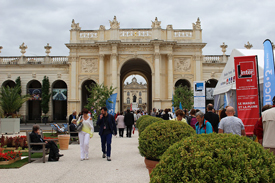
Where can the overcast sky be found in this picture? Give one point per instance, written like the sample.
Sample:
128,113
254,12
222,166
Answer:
37,22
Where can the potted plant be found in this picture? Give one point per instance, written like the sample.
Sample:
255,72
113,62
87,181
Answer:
215,158
141,119
10,102
146,122
45,99
158,137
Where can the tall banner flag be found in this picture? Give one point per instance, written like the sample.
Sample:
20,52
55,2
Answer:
247,92
180,106
173,109
199,95
111,106
269,78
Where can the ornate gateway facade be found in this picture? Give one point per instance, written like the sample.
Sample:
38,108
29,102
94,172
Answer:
164,57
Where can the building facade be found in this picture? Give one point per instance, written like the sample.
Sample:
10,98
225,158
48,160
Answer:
135,96
164,57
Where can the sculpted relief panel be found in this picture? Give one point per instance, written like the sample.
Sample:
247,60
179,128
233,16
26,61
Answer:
182,64
89,65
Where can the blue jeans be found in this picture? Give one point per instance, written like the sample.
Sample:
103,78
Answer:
106,139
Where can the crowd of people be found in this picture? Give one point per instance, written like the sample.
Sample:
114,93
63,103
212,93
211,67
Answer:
203,123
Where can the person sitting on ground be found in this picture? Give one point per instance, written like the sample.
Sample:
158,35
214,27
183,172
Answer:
35,136
180,116
202,126
73,127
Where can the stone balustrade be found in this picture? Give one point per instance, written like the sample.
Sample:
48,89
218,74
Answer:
135,33
183,33
215,58
34,60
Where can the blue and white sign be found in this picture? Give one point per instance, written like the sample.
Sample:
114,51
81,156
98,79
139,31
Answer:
269,78
111,104
199,95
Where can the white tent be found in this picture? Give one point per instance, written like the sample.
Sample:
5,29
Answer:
225,91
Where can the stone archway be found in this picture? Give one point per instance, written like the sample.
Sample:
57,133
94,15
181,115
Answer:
59,100
34,104
140,67
85,92
209,90
183,82
9,83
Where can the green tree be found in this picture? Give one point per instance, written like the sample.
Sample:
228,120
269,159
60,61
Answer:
45,95
18,83
10,100
184,95
98,96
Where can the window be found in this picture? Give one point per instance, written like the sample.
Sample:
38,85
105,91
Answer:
140,101
128,100
140,94
128,93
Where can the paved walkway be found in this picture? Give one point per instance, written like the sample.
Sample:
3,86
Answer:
127,165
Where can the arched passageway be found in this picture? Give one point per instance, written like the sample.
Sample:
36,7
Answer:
85,93
59,100
34,104
136,67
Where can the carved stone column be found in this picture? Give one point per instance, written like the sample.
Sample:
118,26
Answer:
198,67
101,68
114,70
170,75
73,78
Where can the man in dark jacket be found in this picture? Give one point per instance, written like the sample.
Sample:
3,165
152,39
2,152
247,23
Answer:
129,121
35,136
107,125
212,118
72,116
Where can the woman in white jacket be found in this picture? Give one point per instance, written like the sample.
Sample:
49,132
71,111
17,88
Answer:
85,134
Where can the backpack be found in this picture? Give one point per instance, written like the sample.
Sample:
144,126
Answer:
193,122
206,125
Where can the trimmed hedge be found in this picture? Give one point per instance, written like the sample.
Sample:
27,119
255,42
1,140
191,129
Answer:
146,122
140,119
159,136
215,158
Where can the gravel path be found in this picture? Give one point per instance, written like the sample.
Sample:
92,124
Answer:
126,166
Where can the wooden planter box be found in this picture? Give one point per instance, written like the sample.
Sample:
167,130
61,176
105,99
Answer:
9,125
9,148
10,161
21,151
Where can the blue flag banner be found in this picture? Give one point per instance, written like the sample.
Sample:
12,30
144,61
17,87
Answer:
269,78
180,106
173,109
111,106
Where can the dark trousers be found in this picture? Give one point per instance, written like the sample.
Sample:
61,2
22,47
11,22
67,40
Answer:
106,139
129,130
53,149
121,131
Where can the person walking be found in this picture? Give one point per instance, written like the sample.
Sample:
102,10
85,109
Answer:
166,115
129,121
268,119
231,124
120,124
154,113
85,134
212,117
202,126
107,125
193,120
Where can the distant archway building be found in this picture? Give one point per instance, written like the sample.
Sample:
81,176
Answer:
164,57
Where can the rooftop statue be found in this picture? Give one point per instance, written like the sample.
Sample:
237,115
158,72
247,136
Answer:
114,24
156,23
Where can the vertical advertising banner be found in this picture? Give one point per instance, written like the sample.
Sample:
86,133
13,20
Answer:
199,95
269,78
246,71
111,104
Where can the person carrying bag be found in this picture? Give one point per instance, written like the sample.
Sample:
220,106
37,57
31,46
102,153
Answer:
86,132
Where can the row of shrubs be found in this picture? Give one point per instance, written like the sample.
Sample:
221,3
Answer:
187,157
18,141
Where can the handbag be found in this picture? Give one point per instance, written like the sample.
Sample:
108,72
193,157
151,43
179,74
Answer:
79,126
